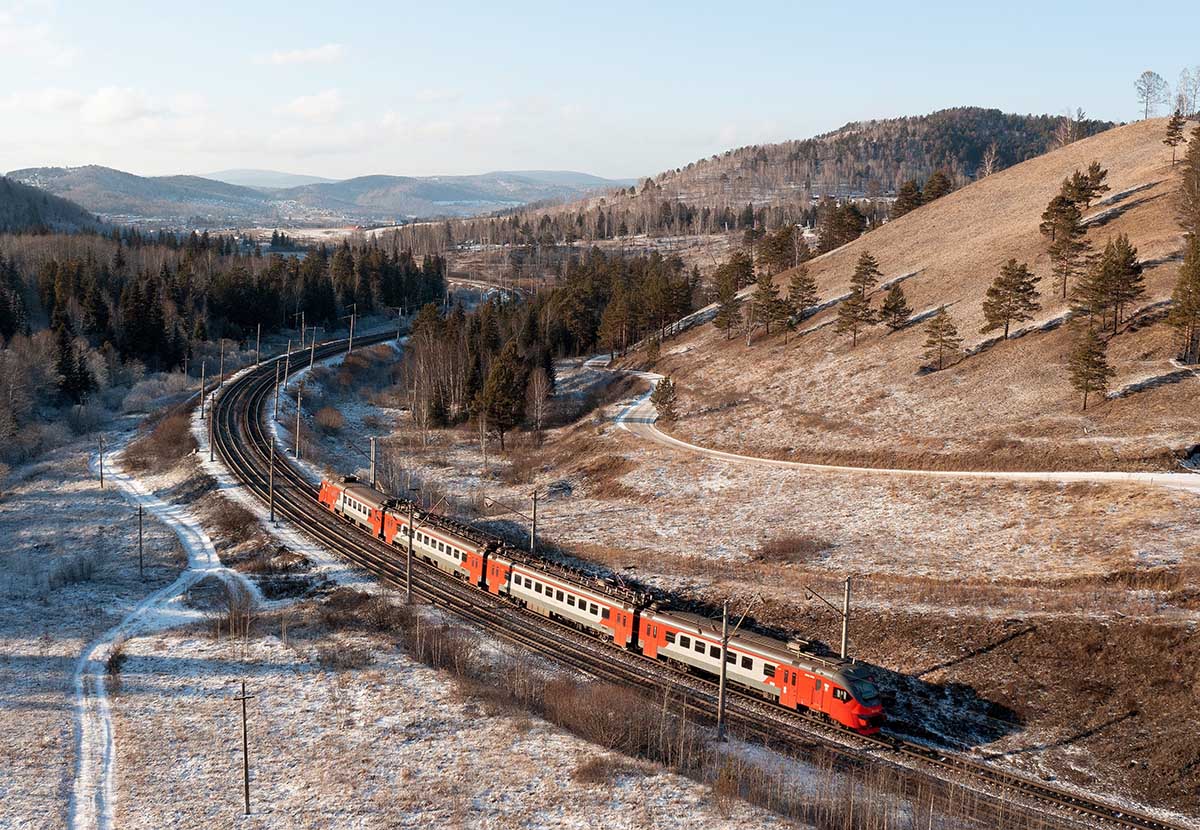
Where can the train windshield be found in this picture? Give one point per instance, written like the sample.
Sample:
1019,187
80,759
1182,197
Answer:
865,692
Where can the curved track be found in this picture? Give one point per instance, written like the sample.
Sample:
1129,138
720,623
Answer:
245,446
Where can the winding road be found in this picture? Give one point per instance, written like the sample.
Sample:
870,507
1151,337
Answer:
639,418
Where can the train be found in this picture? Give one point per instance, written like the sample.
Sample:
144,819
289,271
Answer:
838,690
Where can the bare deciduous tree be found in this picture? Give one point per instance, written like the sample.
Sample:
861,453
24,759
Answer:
1151,91
537,405
990,162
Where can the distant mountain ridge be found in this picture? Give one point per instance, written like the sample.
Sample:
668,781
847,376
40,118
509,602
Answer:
263,179
25,208
198,201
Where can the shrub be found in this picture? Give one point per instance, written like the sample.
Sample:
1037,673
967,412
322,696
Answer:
329,420
166,443
343,658
78,568
791,547
234,520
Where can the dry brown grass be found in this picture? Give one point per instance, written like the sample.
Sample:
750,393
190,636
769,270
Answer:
329,420
1010,406
164,444
790,548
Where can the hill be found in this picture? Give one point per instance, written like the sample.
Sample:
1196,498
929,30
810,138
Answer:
25,208
781,183
1009,404
263,178
195,201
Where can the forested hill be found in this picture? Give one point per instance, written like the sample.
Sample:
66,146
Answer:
872,157
770,185
25,208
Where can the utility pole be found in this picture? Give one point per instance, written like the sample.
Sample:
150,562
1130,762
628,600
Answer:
408,559
210,433
353,315
533,525
372,460
221,376
287,363
299,390
843,612
258,345
203,366
245,751
101,462
726,635
271,475
275,411
141,568
312,355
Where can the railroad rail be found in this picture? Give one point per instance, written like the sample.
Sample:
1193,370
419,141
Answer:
244,444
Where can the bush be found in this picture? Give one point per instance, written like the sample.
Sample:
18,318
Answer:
791,547
329,420
166,443
234,520
73,569
343,658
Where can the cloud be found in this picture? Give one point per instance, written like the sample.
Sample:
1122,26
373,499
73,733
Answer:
436,96
114,105
329,53
32,39
41,101
319,107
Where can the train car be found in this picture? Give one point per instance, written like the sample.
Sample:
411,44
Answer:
598,607
449,546
840,690
357,503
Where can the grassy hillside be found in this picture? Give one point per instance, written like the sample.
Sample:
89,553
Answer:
1010,405
24,208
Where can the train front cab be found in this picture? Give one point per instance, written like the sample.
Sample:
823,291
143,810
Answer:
855,705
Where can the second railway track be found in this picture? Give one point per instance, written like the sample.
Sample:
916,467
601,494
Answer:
244,445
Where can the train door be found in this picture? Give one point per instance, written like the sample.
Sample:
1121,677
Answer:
819,695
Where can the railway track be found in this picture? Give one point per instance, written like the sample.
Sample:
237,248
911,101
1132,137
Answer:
244,444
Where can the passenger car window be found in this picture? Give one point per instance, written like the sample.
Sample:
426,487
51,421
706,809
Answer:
571,600
768,670
558,596
700,646
604,614
713,651
747,663
671,637
685,642
594,609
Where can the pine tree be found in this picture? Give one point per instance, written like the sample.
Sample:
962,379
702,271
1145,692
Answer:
664,399
729,304
1069,248
763,303
908,199
1011,298
854,315
1184,316
503,397
802,291
937,186
1174,135
1125,276
1053,214
941,338
1088,363
866,274
895,311
1097,186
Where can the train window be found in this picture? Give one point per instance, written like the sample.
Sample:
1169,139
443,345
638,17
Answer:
818,686
604,613
594,609
685,642
537,586
768,670
670,637
747,662
558,596
699,646
730,657
714,651
841,694
571,600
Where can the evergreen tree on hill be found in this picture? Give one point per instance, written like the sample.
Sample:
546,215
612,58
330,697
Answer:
1174,136
1088,363
895,312
763,303
1189,187
503,396
1184,315
866,274
854,315
908,199
941,338
1011,298
802,291
664,400
937,186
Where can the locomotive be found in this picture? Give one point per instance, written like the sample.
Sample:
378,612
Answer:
841,691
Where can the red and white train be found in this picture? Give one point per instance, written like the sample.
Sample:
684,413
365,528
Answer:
841,690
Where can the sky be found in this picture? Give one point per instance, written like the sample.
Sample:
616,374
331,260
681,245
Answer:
616,89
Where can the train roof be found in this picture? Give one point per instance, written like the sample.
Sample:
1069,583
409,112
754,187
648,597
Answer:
367,495
777,650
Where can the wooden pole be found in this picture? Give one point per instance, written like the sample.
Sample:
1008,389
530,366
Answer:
141,564
221,376
533,526
275,411
101,462
203,366
271,478
409,557
258,345
724,663
299,389
312,355
245,752
372,460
